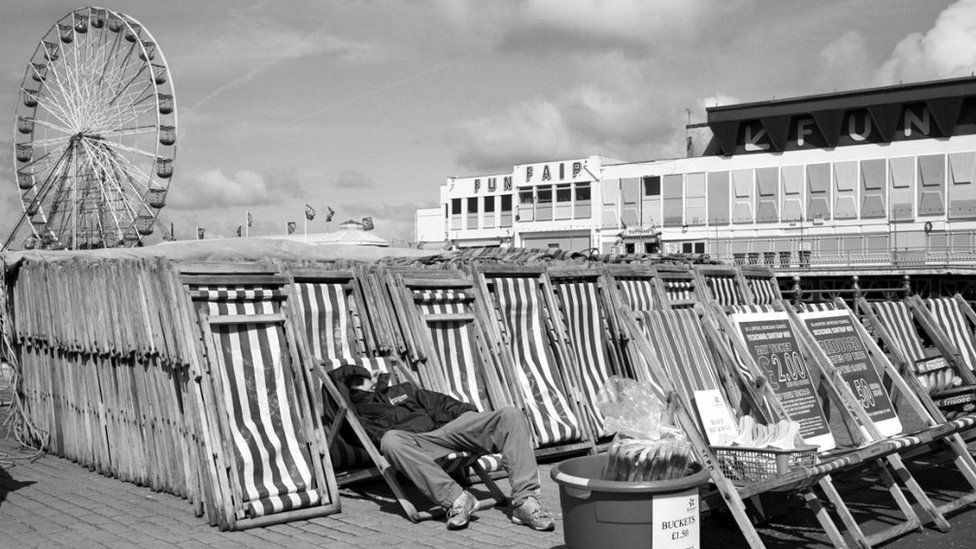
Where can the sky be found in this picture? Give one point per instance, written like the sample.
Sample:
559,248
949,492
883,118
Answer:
367,106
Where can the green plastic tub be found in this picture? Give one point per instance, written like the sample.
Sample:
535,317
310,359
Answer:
598,514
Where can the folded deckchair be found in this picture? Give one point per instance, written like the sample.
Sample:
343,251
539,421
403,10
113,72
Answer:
337,333
267,453
526,321
636,284
581,294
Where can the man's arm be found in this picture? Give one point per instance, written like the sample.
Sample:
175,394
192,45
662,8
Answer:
439,404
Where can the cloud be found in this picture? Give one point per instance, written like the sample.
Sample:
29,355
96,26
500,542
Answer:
948,49
351,179
211,188
845,63
717,100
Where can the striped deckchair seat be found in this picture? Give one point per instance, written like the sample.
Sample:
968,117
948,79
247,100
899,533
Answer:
546,400
680,343
581,309
679,290
454,342
725,290
897,320
324,311
273,465
953,322
762,290
814,307
639,293
325,314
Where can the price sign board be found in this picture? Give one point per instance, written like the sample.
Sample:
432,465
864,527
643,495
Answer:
835,333
772,344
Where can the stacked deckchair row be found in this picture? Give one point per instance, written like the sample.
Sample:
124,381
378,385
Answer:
173,376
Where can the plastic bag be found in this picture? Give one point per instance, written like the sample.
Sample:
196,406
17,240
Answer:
647,446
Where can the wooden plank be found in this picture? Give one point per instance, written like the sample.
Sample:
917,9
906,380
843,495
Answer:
247,319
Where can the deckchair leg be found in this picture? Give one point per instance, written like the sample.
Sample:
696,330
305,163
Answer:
498,497
941,524
853,528
823,517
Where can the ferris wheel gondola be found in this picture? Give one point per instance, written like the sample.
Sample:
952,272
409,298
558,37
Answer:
95,133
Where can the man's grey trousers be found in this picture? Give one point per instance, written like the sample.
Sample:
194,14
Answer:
502,431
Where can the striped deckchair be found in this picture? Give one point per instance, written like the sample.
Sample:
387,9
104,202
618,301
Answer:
580,294
949,315
330,306
658,348
677,285
636,285
527,323
761,282
867,447
878,366
896,319
267,452
722,284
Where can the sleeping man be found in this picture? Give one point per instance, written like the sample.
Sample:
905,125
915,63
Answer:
414,427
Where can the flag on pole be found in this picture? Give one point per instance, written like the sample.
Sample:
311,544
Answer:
291,227
329,212
239,230
309,212
367,223
200,231
250,219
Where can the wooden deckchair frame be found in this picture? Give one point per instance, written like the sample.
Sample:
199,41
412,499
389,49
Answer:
344,415
556,352
801,480
222,480
918,401
718,327
750,273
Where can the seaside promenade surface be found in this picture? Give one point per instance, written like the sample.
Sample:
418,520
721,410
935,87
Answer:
53,502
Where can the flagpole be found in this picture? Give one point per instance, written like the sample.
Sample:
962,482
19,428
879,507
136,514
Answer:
305,217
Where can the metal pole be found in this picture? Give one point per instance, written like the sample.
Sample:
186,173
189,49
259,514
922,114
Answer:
305,217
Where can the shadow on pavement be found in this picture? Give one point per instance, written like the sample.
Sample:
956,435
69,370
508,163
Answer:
9,484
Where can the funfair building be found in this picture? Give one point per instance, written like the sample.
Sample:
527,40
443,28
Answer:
879,176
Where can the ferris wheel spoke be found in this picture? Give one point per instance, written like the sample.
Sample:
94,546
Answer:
50,141
103,205
70,107
109,176
49,103
131,170
127,148
134,130
53,126
137,110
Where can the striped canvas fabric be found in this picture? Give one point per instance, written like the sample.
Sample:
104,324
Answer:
813,307
581,308
325,314
762,290
950,318
324,311
897,320
679,290
680,343
639,293
725,290
453,343
272,462
545,397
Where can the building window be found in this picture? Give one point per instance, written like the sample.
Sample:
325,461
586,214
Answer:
489,204
582,192
629,248
473,205
545,195
525,197
693,247
564,193
472,213
652,185
455,206
506,217
506,202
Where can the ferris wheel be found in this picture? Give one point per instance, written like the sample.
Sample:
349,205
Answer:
95,133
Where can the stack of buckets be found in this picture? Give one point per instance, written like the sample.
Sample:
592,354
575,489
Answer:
600,513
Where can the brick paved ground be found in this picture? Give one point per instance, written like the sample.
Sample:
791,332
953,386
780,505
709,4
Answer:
53,502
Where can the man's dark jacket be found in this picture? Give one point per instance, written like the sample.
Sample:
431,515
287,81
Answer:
403,407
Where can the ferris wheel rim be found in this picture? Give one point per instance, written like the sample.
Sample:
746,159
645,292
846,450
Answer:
109,145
